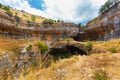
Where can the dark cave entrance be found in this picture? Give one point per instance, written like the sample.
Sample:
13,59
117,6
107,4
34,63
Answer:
75,51
66,52
59,53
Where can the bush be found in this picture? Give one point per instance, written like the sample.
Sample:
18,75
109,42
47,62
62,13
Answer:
24,15
35,63
33,18
7,8
88,44
43,47
17,18
1,5
113,50
9,13
28,47
48,21
101,76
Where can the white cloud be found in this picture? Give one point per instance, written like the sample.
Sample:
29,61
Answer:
67,10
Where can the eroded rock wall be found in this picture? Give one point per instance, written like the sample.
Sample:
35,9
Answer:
104,27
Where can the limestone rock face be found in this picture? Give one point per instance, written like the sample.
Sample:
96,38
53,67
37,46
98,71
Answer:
10,66
103,27
11,28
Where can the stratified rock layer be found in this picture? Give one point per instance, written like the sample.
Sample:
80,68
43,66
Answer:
104,27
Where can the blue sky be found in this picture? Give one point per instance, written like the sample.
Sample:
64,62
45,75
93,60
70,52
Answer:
38,4
78,11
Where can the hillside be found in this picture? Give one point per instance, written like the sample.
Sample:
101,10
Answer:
22,14
102,65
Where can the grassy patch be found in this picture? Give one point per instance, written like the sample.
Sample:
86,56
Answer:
43,47
112,50
100,75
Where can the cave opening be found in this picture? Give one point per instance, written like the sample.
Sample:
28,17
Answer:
66,52
72,50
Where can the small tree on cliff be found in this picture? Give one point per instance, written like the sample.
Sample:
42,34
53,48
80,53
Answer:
1,5
107,5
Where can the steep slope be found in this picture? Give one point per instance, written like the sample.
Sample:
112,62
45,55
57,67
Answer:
103,27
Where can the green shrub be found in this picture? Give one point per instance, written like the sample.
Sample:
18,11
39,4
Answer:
48,21
24,15
35,63
113,50
88,44
7,8
33,18
1,5
43,47
17,18
9,13
28,47
69,39
101,76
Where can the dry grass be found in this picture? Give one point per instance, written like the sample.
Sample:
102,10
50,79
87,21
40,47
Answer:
77,67
25,16
80,68
84,67
103,47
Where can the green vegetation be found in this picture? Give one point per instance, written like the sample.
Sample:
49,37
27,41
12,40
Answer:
107,5
101,76
43,47
24,15
113,50
17,18
9,13
7,8
35,63
88,44
33,18
28,47
48,21
1,5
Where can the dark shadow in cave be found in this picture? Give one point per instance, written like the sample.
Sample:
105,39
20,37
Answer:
66,52
59,53
75,51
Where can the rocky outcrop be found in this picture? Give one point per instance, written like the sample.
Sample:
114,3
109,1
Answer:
104,27
12,66
12,28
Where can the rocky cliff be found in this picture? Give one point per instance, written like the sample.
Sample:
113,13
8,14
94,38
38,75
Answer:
13,26
103,27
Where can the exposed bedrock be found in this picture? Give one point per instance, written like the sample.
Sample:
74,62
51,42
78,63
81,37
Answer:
104,27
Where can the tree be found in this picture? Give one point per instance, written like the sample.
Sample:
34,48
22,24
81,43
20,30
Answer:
1,5
107,5
48,21
7,8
